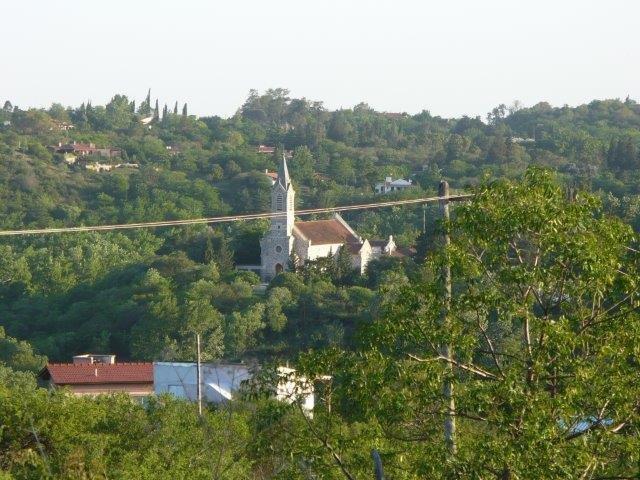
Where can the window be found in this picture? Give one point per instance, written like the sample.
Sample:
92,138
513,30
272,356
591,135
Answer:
278,248
279,203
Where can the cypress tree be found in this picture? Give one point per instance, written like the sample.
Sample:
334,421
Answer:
184,110
175,108
224,257
145,106
209,253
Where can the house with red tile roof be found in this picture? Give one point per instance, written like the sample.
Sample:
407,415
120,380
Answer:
79,149
99,374
273,176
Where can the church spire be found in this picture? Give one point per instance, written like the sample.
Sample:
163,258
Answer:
283,173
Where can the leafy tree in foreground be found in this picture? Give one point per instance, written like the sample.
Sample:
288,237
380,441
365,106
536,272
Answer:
544,335
51,435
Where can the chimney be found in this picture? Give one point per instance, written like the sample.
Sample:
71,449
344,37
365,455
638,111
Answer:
388,179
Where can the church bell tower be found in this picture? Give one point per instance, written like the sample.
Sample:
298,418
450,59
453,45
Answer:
277,244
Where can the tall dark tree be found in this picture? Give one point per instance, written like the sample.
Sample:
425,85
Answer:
184,110
145,106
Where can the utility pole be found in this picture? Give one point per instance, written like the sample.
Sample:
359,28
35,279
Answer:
199,376
424,218
447,388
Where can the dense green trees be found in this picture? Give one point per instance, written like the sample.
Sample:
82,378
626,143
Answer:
53,435
542,326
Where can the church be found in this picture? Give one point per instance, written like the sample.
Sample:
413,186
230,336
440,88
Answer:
305,241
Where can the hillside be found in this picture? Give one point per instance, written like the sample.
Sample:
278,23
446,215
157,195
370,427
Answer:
78,292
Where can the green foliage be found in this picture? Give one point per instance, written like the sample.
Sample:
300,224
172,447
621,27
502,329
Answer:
54,435
19,355
544,332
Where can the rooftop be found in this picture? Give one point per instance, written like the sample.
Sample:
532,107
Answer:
325,232
97,373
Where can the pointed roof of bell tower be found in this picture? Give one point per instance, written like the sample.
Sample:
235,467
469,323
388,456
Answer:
283,173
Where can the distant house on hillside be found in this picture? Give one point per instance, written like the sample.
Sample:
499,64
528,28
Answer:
91,374
75,150
266,149
273,176
62,126
390,185
86,149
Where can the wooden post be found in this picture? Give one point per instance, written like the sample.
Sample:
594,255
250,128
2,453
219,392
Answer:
199,376
447,388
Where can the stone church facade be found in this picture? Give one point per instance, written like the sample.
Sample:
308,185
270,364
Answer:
312,239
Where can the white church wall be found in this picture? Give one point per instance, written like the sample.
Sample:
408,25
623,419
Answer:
318,251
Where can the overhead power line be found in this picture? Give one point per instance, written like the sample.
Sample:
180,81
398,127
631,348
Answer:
228,218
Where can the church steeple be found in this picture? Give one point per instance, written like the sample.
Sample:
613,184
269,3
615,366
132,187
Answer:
283,173
277,244
282,200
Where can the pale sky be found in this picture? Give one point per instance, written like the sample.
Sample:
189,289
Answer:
451,57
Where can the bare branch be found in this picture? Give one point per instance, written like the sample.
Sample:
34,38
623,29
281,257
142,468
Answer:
469,368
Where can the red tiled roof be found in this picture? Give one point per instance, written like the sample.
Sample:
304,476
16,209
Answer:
324,232
97,373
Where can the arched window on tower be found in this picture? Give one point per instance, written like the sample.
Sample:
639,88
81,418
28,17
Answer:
279,203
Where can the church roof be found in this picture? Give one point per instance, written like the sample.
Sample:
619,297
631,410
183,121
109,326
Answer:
325,232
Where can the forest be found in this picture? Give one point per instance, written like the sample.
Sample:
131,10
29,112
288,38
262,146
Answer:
542,321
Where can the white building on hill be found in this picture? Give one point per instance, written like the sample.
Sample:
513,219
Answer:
391,185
